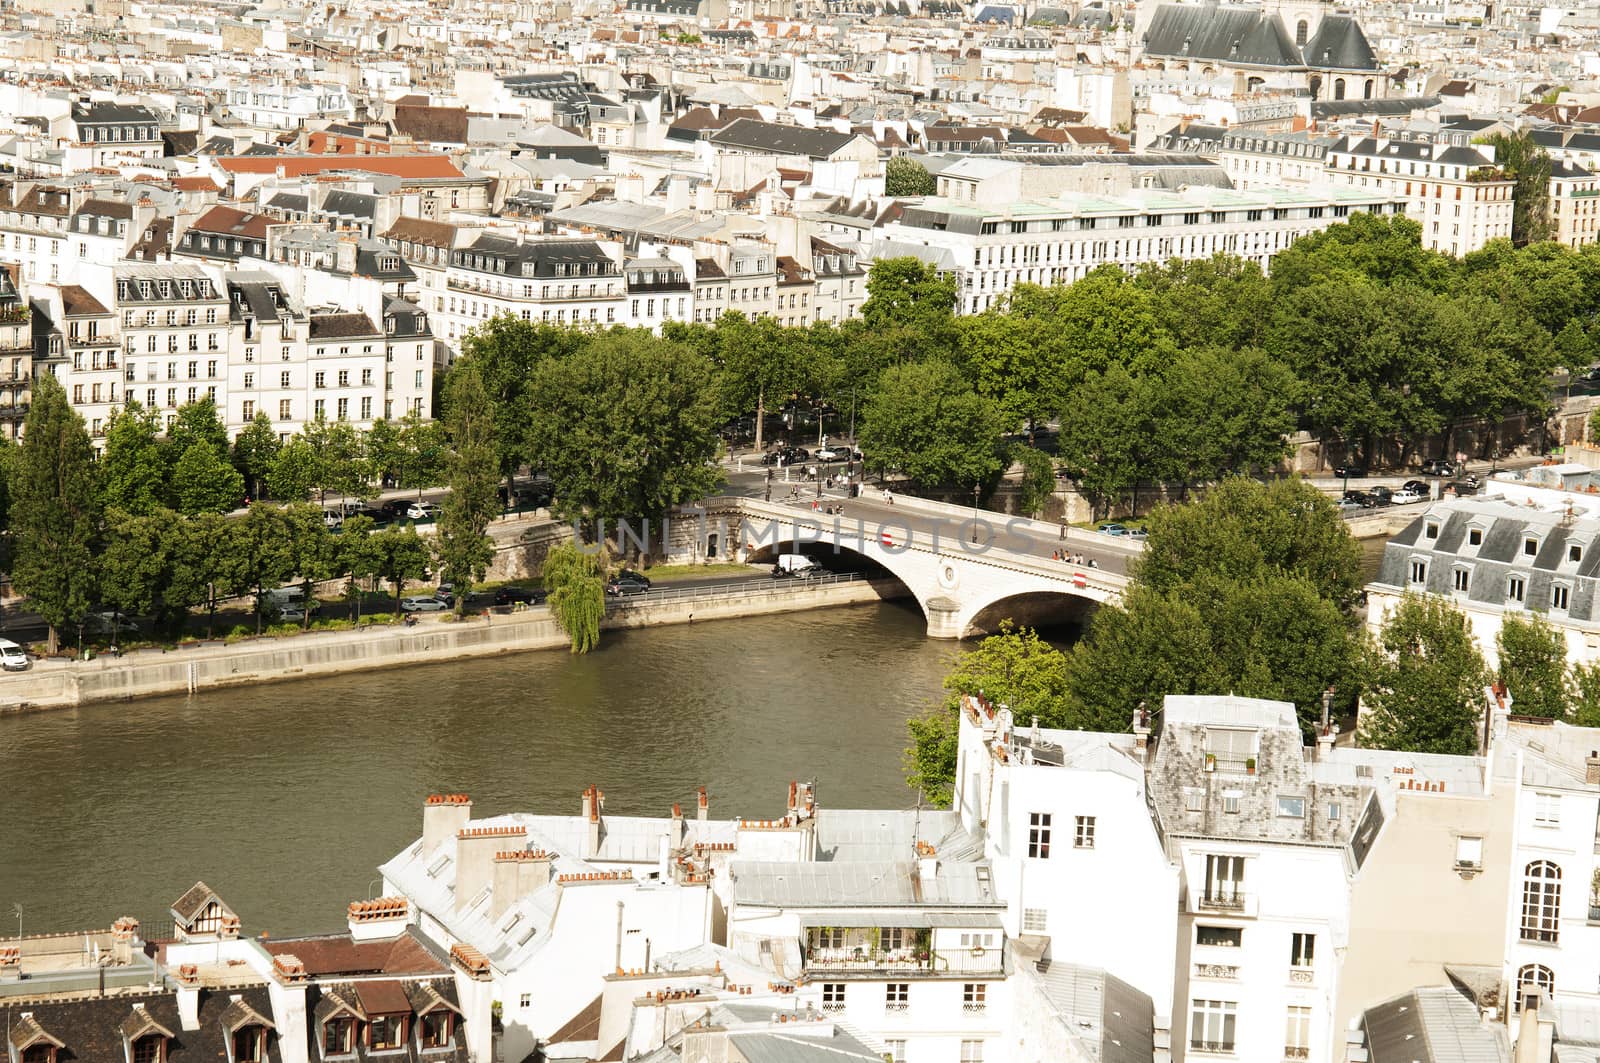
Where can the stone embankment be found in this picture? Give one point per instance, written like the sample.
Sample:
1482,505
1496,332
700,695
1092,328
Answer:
218,666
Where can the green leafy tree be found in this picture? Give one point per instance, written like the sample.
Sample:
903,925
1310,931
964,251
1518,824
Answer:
1524,160
1107,440
761,364
1141,649
424,452
261,552
1014,668
360,557
1585,705
206,565
1533,665
313,552
1220,301
384,446
625,428
403,557
910,310
198,422
506,351
1245,530
55,512
340,459
203,482
575,578
133,469
1428,681
1381,250
134,563
463,545
926,421
254,453
1220,411
293,471
1038,484
905,176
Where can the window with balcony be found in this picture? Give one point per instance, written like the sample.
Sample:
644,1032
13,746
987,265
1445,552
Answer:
1224,883
896,996
1212,1024
1541,902
974,996
1297,1034
833,996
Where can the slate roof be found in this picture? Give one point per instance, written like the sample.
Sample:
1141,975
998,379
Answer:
859,884
100,113
432,124
91,1029
338,327
1435,1024
1339,44
749,134
199,895
1116,1021
1238,36
1500,555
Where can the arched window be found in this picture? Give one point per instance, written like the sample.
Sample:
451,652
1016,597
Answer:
1532,978
1541,902
1366,93
1300,33
1338,88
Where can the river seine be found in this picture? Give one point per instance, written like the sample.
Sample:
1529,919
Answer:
284,798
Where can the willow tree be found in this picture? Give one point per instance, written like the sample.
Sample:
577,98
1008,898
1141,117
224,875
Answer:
575,578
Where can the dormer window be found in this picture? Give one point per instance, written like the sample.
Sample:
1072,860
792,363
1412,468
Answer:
434,1029
338,1037
1516,589
1574,553
42,1053
1530,546
1474,537
386,1032
1430,530
249,1044
152,1048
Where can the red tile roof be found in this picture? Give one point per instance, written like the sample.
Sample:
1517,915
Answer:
230,222
416,167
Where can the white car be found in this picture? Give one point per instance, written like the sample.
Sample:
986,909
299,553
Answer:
332,519
423,604
1404,497
422,511
13,658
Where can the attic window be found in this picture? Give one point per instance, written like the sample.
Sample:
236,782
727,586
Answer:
1430,530
1474,536
1292,807
516,917
1530,546
1574,552
438,864
527,935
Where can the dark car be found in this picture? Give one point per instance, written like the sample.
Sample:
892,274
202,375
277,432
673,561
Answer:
624,586
1421,487
1438,467
517,596
1360,498
1350,470
1381,495
637,577
395,508
1466,486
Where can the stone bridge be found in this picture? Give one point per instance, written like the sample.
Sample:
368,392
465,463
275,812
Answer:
968,569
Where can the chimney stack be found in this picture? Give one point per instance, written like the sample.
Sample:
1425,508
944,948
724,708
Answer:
443,817
188,996
594,802
380,919
517,873
123,932
675,831
704,811
475,849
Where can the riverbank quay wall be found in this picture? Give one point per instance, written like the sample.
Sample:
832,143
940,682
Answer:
216,666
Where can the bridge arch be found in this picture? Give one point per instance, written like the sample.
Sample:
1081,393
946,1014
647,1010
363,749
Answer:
1035,609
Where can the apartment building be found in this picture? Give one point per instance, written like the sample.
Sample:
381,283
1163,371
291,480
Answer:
1458,195
1574,204
175,332
839,279
105,133
1267,852
268,374
559,281
34,223
989,250
17,349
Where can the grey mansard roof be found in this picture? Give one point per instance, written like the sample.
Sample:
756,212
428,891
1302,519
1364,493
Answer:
1436,1024
1441,539
1339,44
1241,36
748,134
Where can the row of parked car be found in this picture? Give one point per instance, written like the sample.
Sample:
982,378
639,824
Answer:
800,455
1442,467
390,512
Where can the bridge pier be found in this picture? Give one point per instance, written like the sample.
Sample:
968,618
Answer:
944,618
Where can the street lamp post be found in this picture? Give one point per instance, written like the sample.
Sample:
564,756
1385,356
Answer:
974,513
